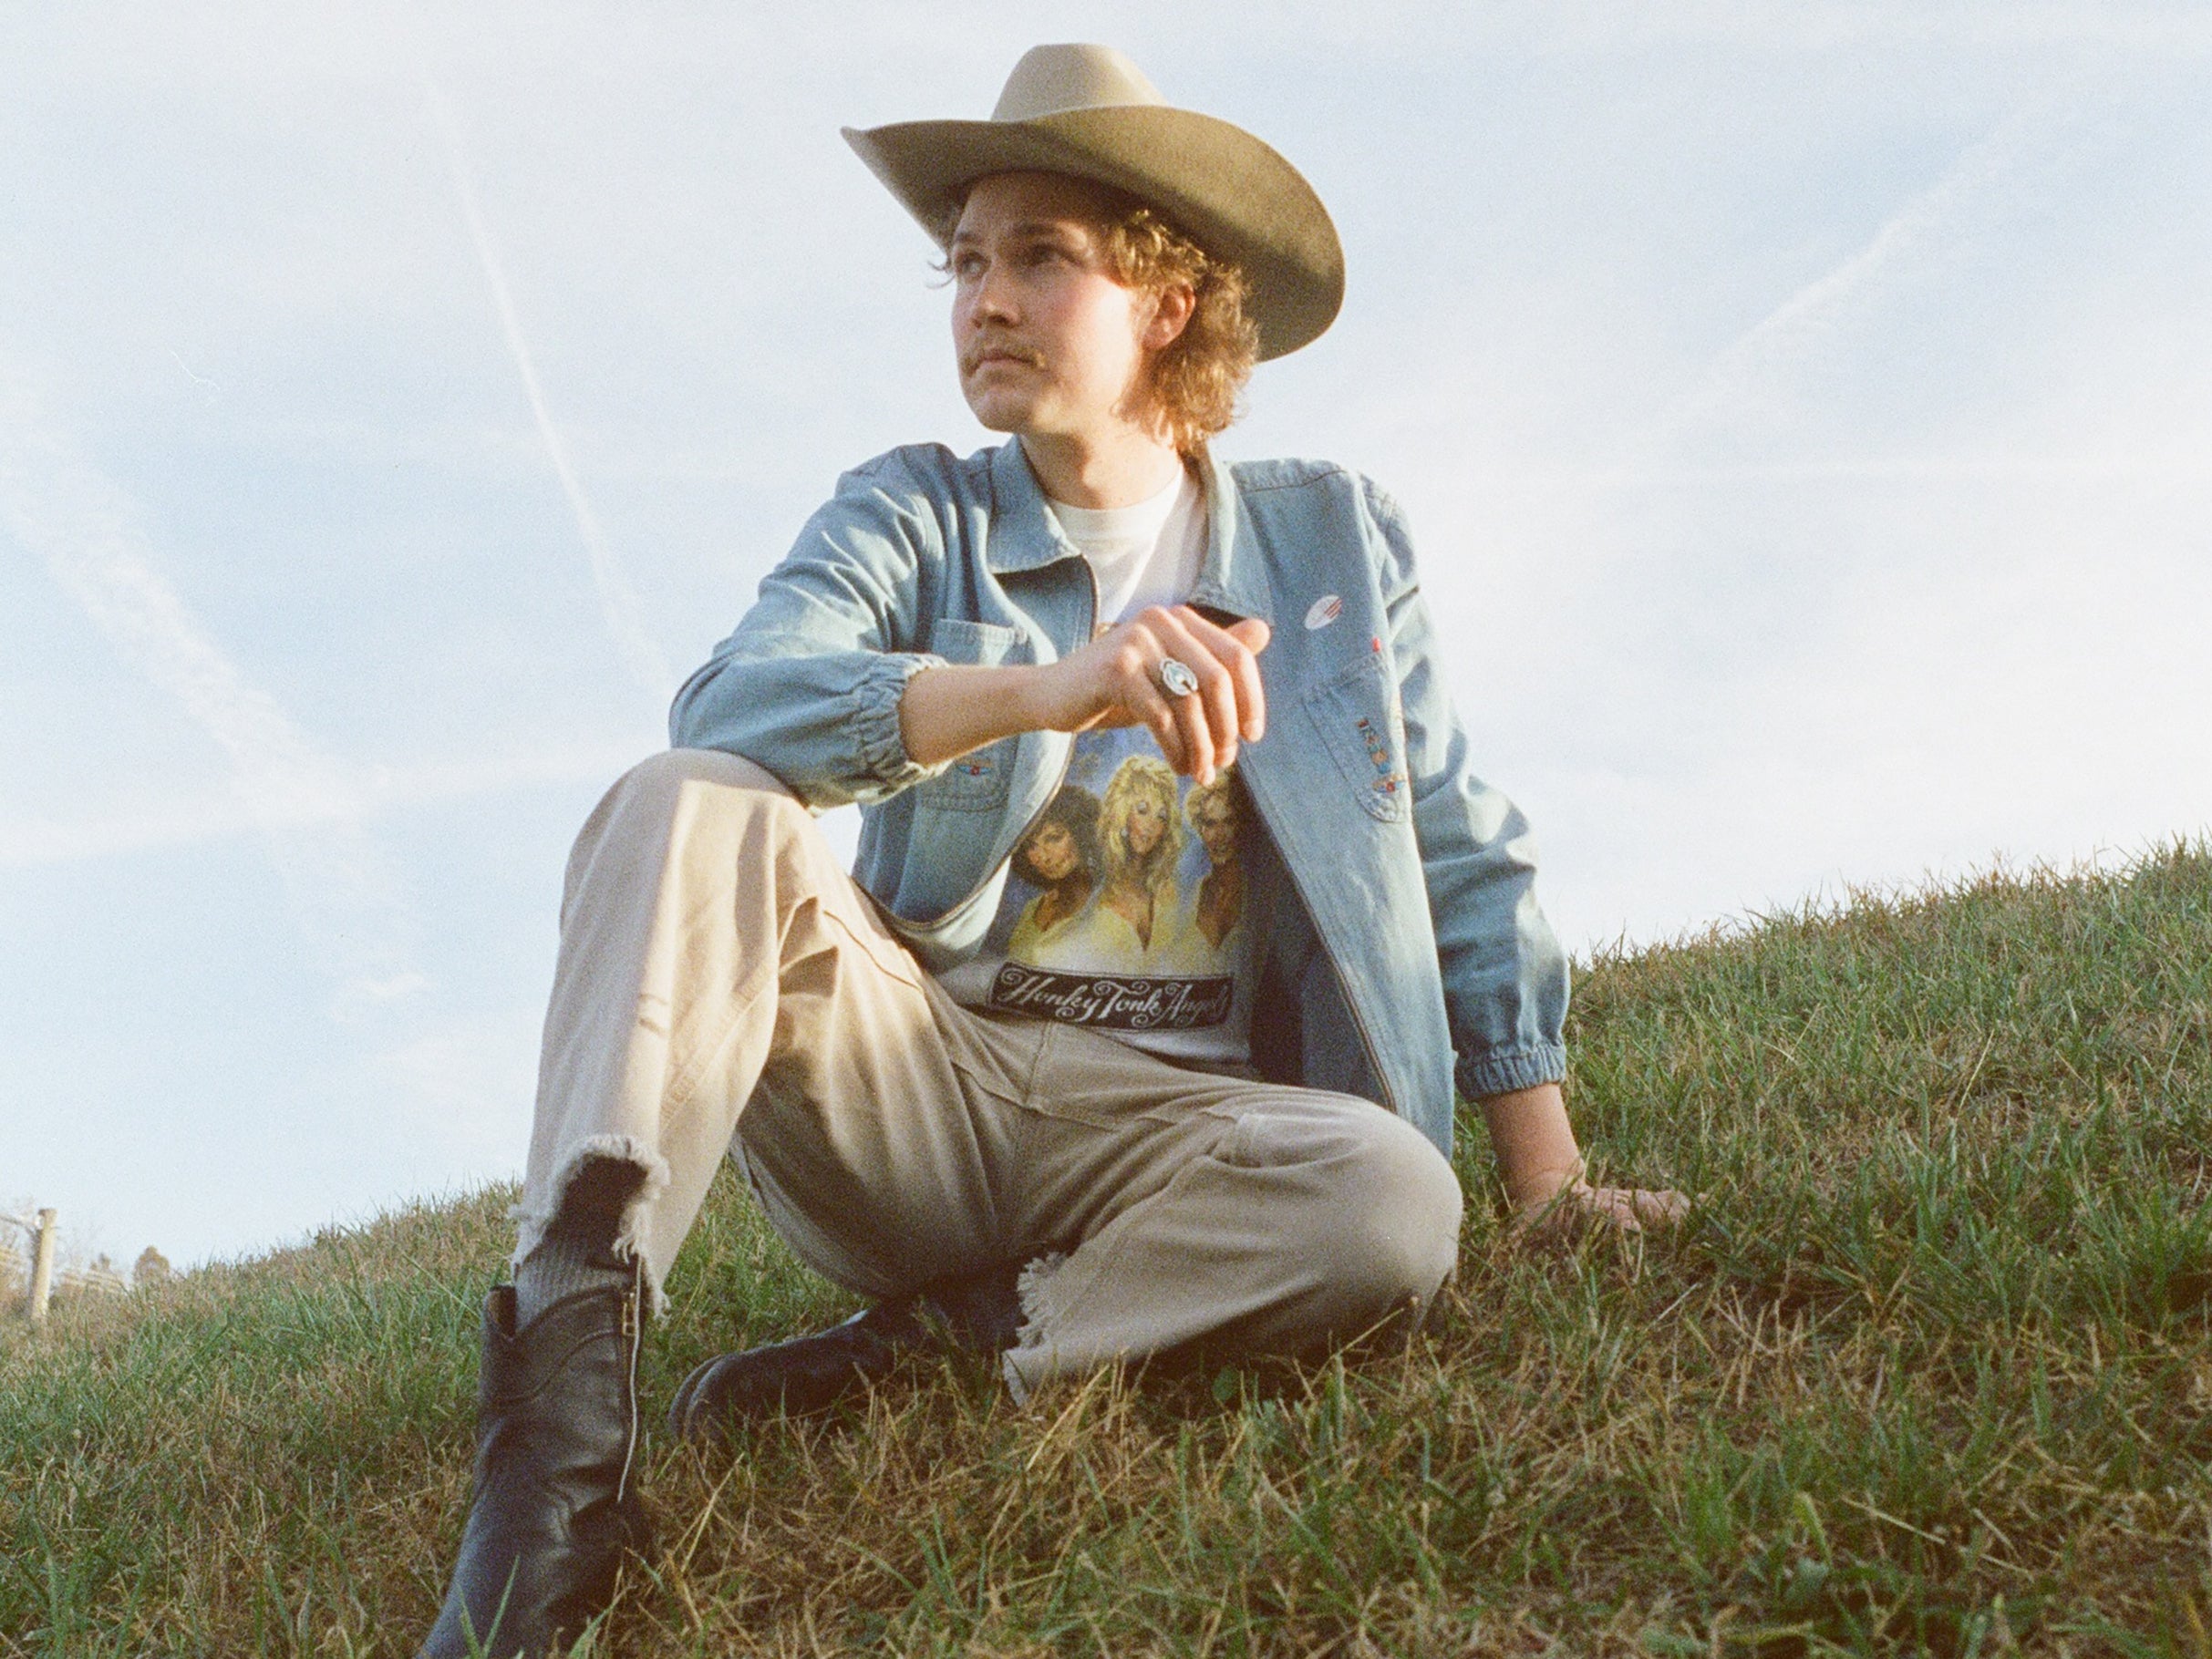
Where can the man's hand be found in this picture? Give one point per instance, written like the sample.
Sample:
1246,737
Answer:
1112,681
1543,1169
1115,681
1578,1206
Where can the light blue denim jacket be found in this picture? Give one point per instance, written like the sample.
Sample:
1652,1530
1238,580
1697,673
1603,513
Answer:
1406,931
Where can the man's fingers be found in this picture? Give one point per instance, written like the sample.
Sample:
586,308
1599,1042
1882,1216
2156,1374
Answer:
1662,1208
1159,717
1198,751
1198,732
1237,647
1252,632
1209,716
1133,692
1632,1209
1167,730
1628,1208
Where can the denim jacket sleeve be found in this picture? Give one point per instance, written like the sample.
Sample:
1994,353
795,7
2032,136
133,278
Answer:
1505,976
809,684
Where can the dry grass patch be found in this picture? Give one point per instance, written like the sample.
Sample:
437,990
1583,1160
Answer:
1929,1371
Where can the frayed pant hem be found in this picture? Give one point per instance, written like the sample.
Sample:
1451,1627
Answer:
531,1217
1033,1344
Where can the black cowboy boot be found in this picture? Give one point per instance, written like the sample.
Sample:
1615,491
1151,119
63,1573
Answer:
554,1507
980,1313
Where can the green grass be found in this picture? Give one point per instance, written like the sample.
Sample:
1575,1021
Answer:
1928,1370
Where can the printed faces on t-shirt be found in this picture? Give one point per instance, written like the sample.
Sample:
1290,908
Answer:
1126,906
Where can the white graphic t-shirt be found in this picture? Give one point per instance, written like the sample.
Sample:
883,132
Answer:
1125,909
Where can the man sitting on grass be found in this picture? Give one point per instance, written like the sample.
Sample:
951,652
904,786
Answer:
1153,1128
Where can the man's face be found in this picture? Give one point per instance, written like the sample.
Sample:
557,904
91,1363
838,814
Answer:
1049,345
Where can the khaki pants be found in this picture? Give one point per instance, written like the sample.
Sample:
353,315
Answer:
724,986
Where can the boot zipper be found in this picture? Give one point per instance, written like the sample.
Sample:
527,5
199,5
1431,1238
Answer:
633,1333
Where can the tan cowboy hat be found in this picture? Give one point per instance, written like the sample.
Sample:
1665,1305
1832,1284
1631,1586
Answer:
1088,111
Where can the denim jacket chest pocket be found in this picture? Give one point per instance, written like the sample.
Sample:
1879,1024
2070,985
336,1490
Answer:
1355,715
977,781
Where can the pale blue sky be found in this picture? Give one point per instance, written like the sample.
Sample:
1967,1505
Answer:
1805,412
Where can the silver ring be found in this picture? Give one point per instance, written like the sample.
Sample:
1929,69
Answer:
1177,679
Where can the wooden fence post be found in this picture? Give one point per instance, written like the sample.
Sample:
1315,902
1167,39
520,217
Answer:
42,1269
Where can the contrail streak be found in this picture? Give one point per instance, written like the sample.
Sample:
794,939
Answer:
81,526
619,602
1810,320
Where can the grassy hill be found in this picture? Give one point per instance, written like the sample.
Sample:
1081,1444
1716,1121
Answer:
1929,1369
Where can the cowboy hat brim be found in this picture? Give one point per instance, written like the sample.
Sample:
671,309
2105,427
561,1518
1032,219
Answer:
1224,189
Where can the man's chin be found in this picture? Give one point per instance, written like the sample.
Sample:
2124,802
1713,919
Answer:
1000,413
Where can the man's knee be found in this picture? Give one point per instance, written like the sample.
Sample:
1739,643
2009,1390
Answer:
1381,1229
669,773
1400,1217
663,787
675,802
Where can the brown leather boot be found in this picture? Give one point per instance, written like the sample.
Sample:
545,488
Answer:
980,1313
554,1508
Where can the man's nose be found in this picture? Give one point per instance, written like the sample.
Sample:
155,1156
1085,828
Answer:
992,296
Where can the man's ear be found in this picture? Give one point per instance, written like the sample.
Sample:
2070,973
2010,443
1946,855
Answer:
1172,309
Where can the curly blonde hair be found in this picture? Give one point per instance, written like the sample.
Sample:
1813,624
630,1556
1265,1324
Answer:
1138,776
1197,378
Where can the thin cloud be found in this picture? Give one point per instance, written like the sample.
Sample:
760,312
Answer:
2187,461
366,794
82,529
1742,382
1798,27
618,604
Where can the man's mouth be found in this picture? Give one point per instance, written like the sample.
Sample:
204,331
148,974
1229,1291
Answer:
978,356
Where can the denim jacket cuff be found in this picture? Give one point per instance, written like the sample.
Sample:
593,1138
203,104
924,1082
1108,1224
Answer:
875,719
1501,1072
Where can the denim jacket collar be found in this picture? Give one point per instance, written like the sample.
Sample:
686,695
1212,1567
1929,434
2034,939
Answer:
1026,536
1232,579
